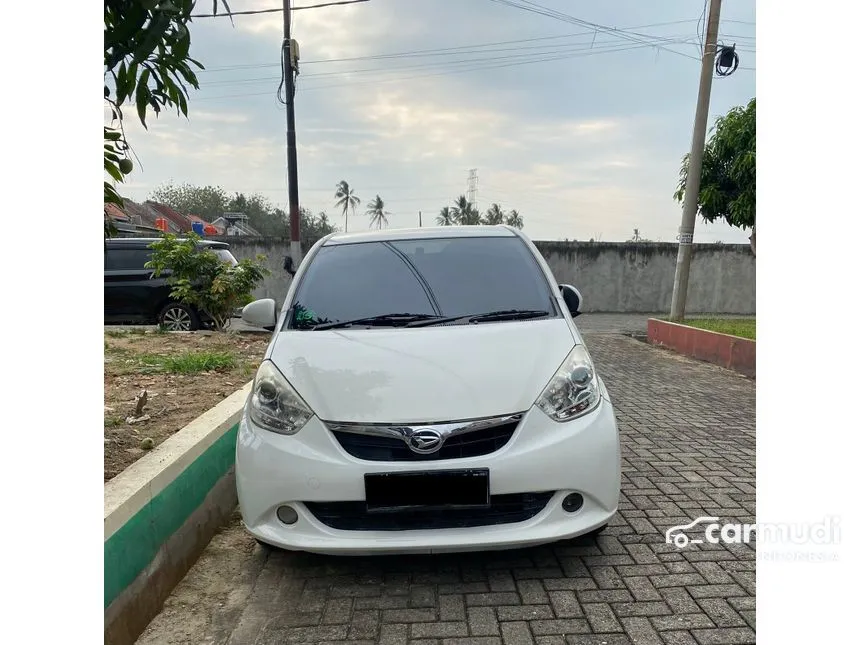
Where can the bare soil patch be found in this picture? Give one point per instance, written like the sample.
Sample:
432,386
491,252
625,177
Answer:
183,374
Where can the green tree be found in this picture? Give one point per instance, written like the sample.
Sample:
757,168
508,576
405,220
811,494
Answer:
465,214
345,199
313,228
378,214
514,219
208,202
198,277
495,215
147,62
445,217
727,189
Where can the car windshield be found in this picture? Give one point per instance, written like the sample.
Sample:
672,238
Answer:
401,281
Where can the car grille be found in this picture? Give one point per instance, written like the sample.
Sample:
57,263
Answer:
470,444
503,509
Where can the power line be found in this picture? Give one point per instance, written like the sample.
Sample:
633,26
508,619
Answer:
533,7
699,27
435,65
256,12
443,73
441,50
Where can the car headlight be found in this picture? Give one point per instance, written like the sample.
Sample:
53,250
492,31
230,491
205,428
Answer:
274,404
574,390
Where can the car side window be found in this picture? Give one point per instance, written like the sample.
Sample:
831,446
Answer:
127,259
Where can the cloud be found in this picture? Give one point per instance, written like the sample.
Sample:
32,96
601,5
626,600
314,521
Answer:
217,117
580,146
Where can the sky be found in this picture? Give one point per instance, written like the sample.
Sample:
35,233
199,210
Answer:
580,129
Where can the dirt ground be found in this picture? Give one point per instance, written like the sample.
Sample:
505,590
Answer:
184,374
212,597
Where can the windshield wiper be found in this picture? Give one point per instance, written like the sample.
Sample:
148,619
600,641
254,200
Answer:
381,320
489,316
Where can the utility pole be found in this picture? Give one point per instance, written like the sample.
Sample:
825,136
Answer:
292,164
420,225
694,171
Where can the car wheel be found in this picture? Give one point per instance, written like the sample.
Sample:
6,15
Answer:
178,317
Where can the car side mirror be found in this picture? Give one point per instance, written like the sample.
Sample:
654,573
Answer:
572,298
261,313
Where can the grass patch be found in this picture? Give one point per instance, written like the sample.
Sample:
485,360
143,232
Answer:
124,333
187,362
743,327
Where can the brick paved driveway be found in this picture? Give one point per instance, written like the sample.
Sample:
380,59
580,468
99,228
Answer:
688,451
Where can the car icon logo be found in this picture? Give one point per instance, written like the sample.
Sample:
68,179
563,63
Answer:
424,441
676,536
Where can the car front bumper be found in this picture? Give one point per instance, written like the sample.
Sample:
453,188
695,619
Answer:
581,456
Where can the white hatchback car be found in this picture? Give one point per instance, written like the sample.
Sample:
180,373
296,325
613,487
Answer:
426,390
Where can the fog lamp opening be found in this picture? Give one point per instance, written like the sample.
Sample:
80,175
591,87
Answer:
572,502
287,514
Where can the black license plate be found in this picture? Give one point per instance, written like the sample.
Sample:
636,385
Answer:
437,489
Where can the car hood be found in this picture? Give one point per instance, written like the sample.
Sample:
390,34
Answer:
422,375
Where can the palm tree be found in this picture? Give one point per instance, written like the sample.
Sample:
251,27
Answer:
465,213
445,217
515,219
345,198
377,212
495,215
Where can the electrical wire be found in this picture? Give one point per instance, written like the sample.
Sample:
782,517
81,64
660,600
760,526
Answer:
485,66
442,51
433,64
284,49
256,12
700,28
536,8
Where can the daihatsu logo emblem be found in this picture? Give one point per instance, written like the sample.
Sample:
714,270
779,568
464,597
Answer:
424,441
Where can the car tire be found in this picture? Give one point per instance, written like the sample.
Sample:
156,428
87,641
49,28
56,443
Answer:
178,317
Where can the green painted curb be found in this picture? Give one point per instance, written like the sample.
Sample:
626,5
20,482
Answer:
130,550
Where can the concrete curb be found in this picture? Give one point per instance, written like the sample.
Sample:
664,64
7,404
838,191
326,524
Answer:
732,352
161,512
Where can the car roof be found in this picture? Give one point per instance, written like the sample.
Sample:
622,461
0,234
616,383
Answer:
427,232
146,241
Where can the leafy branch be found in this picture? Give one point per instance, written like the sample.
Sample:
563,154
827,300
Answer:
147,63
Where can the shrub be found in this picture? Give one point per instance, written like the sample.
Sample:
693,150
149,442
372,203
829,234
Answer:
203,280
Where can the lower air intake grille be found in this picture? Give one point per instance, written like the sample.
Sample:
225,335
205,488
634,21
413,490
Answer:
503,509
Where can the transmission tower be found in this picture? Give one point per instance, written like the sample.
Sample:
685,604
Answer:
472,188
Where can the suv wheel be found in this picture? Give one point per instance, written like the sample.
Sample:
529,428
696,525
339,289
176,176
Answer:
178,317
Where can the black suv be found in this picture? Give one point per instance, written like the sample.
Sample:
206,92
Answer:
132,295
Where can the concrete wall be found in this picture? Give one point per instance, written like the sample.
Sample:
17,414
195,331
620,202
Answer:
613,277
629,277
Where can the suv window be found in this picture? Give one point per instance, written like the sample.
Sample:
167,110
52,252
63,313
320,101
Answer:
467,275
118,259
225,256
